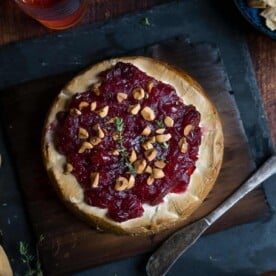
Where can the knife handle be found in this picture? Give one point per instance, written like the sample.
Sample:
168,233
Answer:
264,172
5,267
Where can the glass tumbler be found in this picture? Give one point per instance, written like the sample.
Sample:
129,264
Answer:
54,14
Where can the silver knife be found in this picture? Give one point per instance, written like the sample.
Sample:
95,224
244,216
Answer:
168,253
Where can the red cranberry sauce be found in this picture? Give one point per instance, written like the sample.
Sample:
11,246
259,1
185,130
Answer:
163,100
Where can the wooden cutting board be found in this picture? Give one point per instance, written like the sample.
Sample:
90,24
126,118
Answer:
69,244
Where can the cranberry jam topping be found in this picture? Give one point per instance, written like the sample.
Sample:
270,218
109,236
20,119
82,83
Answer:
129,140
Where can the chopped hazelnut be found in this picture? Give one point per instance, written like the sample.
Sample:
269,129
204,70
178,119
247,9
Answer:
131,182
150,154
150,180
150,85
183,145
75,111
148,169
115,136
95,140
85,146
121,97
188,129
103,111
134,109
160,130
111,121
93,106
160,164
115,152
152,139
83,133
169,122
140,166
148,114
138,93
161,138
95,176
147,145
121,183
146,131
157,173
133,156
82,105
100,132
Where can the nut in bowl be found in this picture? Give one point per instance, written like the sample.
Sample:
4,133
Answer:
159,145
261,14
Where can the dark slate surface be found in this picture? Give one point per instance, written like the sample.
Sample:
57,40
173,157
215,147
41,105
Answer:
244,250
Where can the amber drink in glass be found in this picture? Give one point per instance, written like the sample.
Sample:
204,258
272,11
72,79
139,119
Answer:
55,14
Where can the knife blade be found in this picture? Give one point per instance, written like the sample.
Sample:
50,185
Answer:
168,253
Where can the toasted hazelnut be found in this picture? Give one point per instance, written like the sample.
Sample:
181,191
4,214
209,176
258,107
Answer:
134,109
75,111
85,146
157,173
138,93
150,180
147,145
140,165
95,140
93,106
161,138
183,145
99,130
133,156
83,133
169,122
160,130
121,183
160,164
115,152
121,97
146,131
82,105
96,88
150,154
188,129
131,182
148,114
150,85
148,169
111,121
95,177
68,168
115,136
103,111
152,139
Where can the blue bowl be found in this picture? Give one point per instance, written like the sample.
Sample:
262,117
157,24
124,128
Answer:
253,16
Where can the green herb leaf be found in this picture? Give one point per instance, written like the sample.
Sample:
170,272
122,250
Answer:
130,167
119,123
159,123
142,139
145,21
164,145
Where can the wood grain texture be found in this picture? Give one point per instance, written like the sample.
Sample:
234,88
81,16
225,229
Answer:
15,26
66,247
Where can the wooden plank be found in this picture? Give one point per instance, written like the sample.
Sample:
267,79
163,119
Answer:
66,247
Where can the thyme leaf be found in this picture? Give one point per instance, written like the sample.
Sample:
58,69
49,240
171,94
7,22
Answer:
145,21
159,123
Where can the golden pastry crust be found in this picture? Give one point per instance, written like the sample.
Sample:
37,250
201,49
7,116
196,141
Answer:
175,207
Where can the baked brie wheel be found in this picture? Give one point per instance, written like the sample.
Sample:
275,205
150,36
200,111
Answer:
133,145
